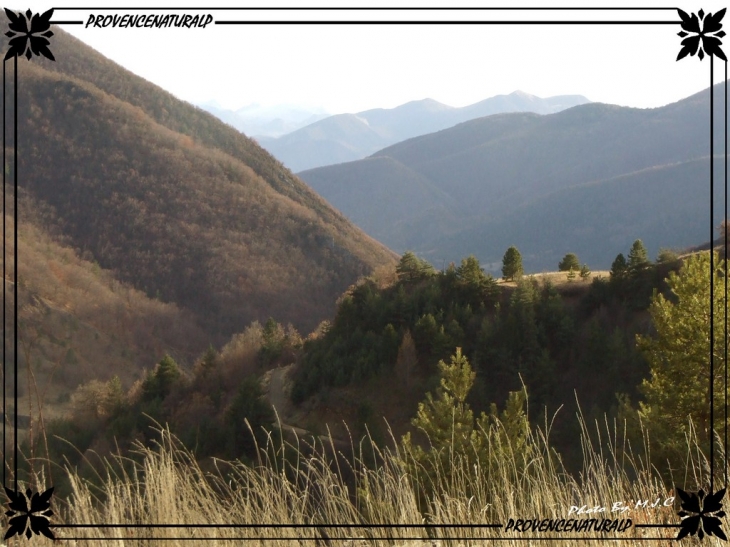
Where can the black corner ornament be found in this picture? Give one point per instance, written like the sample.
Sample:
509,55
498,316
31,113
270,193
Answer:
37,514
709,34
29,34
701,514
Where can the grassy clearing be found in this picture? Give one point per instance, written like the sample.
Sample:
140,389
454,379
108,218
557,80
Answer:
558,279
296,490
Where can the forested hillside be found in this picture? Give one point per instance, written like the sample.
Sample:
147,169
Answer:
570,342
575,336
176,203
77,322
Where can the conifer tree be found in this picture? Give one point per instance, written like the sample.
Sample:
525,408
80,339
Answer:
569,262
679,356
158,384
638,257
619,267
512,264
411,268
454,434
475,286
447,418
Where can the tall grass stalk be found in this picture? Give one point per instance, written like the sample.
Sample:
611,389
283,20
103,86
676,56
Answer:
303,483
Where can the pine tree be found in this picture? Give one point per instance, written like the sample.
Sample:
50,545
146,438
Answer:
474,285
638,257
246,415
619,267
512,264
446,418
456,437
159,383
585,272
410,268
678,357
569,262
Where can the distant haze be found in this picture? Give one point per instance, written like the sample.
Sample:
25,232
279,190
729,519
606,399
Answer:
347,137
256,120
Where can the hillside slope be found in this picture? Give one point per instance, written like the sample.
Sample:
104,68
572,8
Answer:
177,203
78,323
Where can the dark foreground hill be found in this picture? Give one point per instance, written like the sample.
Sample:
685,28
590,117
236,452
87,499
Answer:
176,203
549,184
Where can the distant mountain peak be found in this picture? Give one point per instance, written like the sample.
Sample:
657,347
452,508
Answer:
520,93
335,140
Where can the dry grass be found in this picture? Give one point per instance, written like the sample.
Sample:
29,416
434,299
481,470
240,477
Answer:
559,279
295,493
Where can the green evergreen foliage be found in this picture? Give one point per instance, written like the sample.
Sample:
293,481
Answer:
446,419
585,272
452,432
115,399
638,257
210,410
440,309
571,275
512,264
678,355
531,335
410,268
619,267
475,286
569,262
158,384
245,417
634,279
534,336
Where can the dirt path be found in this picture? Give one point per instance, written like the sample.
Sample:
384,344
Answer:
277,394
279,399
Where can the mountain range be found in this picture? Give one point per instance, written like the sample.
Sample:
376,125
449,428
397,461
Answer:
590,179
260,121
347,137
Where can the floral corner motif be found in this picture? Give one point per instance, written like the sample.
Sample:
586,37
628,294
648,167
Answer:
705,40
29,34
29,513
701,514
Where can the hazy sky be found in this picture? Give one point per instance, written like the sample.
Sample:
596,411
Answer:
348,68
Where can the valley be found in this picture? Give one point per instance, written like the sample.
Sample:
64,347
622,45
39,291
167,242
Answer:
396,302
